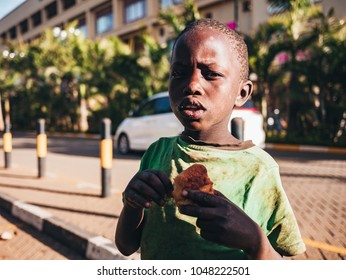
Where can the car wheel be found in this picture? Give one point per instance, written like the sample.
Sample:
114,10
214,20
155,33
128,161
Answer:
123,144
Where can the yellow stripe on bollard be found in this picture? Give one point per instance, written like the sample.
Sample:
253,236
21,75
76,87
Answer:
106,153
7,138
41,140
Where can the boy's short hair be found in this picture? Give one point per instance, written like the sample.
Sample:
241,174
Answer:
237,42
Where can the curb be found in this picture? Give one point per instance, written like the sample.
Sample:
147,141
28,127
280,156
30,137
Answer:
304,148
93,247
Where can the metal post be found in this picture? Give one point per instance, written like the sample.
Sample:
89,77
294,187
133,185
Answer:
7,144
237,128
41,147
106,155
236,13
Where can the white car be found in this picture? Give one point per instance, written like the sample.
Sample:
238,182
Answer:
154,119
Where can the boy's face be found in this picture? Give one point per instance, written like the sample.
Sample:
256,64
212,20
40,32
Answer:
205,82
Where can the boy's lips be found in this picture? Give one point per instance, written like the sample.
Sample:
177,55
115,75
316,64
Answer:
191,109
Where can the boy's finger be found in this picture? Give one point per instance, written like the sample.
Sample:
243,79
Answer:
151,179
165,180
136,201
147,191
220,194
202,198
204,213
211,236
207,225
190,210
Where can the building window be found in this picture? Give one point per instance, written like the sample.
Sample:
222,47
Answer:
135,43
208,15
13,32
82,27
36,19
4,36
66,4
246,6
24,26
51,10
134,10
277,8
168,3
162,31
104,20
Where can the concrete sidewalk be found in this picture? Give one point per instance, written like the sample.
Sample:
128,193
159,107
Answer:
78,218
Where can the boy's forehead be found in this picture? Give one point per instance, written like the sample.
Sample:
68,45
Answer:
204,33
193,39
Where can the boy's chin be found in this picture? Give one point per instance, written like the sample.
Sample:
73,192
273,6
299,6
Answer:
193,127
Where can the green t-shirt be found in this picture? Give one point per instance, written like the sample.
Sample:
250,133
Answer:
248,177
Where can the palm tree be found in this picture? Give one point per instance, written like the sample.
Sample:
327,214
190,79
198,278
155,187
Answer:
327,69
284,36
177,18
289,55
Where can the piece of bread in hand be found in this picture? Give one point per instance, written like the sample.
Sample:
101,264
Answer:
195,178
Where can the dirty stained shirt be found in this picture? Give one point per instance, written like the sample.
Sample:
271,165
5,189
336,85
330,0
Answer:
246,175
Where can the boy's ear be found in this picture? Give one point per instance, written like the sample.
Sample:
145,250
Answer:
244,94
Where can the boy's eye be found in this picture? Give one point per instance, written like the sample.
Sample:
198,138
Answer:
211,75
175,74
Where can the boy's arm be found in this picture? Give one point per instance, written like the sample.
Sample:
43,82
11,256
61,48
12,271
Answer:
224,223
129,230
264,250
145,187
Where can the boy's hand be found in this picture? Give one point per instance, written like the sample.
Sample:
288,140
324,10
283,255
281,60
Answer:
222,222
145,187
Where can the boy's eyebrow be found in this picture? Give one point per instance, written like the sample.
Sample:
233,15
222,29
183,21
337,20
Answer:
209,64
199,64
179,63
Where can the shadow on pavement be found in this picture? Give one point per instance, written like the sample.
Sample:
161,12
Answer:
47,190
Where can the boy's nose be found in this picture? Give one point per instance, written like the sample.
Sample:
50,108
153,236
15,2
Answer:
193,86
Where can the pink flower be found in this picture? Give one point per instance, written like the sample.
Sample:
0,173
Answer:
232,25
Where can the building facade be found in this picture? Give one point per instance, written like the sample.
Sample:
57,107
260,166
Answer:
127,18
123,18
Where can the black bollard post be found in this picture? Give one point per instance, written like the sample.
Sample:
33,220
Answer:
106,155
237,128
41,147
7,144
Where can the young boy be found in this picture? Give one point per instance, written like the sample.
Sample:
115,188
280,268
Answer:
250,216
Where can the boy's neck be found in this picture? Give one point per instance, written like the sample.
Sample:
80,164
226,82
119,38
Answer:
214,138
